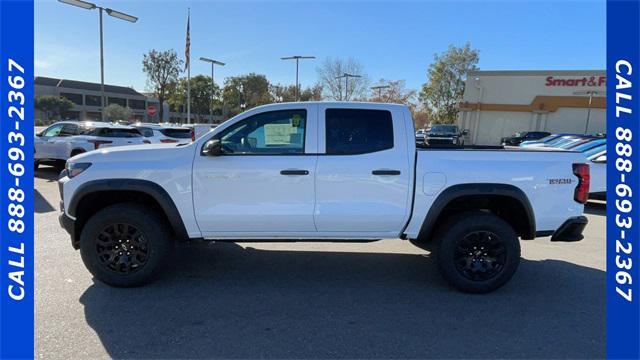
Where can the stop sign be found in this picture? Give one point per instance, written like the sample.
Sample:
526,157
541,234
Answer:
151,110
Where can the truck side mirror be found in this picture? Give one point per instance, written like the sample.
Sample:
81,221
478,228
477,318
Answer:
465,132
212,148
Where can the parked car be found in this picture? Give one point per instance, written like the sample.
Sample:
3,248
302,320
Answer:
66,139
583,146
598,166
321,171
517,138
442,134
165,134
200,129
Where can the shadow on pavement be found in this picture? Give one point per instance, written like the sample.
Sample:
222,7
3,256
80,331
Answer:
596,208
223,301
40,204
49,173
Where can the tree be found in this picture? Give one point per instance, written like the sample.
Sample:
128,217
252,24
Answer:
200,96
115,112
394,93
162,68
282,93
53,106
445,84
245,92
334,88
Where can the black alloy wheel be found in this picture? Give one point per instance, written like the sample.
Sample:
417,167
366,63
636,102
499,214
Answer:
122,248
480,255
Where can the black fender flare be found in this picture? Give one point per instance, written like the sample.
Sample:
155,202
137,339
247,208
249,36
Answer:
150,188
456,191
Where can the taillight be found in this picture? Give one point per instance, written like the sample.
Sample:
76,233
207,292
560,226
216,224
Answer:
581,193
168,141
97,143
193,134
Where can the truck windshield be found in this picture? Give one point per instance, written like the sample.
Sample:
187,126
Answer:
444,128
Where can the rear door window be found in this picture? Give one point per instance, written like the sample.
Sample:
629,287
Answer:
69,130
358,131
118,132
177,133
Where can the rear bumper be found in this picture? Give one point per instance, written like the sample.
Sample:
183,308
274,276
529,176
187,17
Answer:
571,230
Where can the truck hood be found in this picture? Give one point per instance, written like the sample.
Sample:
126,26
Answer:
129,153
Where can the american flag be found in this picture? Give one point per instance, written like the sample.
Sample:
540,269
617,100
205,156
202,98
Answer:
187,49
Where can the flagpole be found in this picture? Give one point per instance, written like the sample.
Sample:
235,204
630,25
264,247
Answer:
188,67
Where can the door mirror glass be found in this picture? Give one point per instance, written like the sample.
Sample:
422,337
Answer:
212,148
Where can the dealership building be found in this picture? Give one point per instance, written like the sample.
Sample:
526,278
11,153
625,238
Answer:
87,100
499,103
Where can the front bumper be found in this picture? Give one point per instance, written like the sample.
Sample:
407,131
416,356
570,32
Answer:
571,230
441,141
69,225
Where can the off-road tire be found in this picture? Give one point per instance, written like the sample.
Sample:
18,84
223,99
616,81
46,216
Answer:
155,243
472,227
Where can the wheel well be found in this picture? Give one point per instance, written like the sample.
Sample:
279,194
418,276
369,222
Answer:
508,208
98,200
76,152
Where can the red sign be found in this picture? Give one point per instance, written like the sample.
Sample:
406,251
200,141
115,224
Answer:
151,110
582,81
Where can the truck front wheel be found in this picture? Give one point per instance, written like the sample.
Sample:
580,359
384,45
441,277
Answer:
477,252
125,245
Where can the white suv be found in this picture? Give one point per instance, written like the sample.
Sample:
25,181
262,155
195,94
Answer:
65,139
165,134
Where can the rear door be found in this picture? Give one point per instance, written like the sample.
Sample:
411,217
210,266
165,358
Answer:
363,175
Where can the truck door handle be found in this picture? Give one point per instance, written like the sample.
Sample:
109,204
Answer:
294,172
386,172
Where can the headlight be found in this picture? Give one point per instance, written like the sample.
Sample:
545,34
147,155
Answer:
75,169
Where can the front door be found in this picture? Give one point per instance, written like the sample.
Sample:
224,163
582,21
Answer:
45,142
263,183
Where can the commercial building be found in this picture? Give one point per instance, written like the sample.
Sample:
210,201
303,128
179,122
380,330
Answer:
498,103
87,99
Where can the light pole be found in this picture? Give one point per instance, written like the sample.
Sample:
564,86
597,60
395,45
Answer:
591,93
346,77
297,59
116,14
213,62
379,88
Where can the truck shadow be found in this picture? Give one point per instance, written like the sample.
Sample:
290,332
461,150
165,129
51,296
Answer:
225,301
596,208
49,173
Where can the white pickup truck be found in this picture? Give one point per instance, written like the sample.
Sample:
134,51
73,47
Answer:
320,171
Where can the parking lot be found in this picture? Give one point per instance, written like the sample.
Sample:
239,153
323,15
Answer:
308,300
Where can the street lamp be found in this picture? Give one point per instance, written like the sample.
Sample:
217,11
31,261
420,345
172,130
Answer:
346,77
591,93
212,62
297,59
116,14
379,88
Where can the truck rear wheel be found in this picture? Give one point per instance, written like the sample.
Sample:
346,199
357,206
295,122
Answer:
125,245
477,252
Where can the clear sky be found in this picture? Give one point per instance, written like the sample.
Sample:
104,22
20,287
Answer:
393,40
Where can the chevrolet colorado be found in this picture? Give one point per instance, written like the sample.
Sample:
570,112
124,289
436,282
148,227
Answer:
320,171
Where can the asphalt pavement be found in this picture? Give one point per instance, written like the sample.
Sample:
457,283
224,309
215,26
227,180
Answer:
309,300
